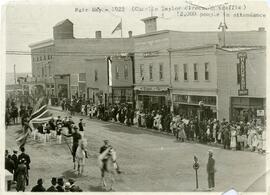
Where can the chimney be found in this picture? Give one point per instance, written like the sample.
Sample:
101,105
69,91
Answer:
130,34
150,24
98,34
261,29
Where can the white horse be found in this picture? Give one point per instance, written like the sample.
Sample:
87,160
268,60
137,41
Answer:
108,166
81,155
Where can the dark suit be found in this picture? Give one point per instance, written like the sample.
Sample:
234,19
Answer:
52,189
26,157
211,172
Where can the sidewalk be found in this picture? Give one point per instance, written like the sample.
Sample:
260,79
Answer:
58,108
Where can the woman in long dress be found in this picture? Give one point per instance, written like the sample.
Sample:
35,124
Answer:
233,138
21,175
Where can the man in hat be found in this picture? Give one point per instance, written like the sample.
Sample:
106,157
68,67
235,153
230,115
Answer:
14,157
76,136
53,186
39,187
27,159
211,170
60,185
81,129
73,187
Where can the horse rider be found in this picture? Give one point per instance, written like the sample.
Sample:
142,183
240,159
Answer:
76,137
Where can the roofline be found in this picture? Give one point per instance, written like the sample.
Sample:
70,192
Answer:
193,48
248,48
149,18
152,33
44,43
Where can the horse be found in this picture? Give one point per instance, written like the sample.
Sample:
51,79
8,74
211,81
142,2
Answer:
80,156
108,166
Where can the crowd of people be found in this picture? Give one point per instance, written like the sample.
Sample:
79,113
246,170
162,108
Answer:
248,135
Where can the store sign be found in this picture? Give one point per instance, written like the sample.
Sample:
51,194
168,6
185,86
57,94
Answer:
260,112
150,54
155,89
242,56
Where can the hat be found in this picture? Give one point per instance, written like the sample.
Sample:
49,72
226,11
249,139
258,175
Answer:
54,180
67,185
81,119
106,141
39,181
210,151
71,181
60,179
75,127
15,150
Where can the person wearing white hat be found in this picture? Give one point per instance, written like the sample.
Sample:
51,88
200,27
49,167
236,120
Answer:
210,167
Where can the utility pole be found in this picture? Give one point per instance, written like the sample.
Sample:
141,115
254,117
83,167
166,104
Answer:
14,71
223,26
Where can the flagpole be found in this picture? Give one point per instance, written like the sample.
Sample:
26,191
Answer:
121,29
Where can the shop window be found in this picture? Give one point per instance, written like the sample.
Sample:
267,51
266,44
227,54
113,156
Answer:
151,71
206,71
126,72
44,58
116,72
96,75
160,71
195,67
185,72
42,71
142,72
176,72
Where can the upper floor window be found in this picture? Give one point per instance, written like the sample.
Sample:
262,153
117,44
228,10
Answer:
96,75
185,67
142,71
126,72
151,71
116,72
206,71
160,71
195,67
176,70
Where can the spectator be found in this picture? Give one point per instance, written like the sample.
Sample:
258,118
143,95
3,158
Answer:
211,170
21,175
73,187
60,185
53,186
9,164
39,187
14,157
27,159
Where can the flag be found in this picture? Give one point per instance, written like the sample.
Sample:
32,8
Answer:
118,27
40,115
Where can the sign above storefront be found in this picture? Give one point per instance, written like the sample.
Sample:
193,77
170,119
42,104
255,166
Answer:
242,56
151,88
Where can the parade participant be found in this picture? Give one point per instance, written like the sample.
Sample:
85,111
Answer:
21,175
53,186
60,185
27,159
47,132
81,154
70,123
14,157
75,137
59,134
58,120
211,170
39,187
81,129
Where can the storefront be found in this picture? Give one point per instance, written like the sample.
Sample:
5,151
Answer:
122,95
152,98
190,106
247,108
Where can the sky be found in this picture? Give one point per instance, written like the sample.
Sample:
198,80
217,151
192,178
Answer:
27,22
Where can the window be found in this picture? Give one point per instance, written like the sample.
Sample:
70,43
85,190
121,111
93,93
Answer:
49,57
42,72
195,71
44,58
40,58
238,73
116,72
151,71
141,72
126,72
185,72
206,71
176,72
160,71
96,75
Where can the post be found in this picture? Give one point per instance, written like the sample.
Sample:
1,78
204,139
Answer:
121,29
196,167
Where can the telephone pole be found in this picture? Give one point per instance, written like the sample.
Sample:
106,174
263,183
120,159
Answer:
14,74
